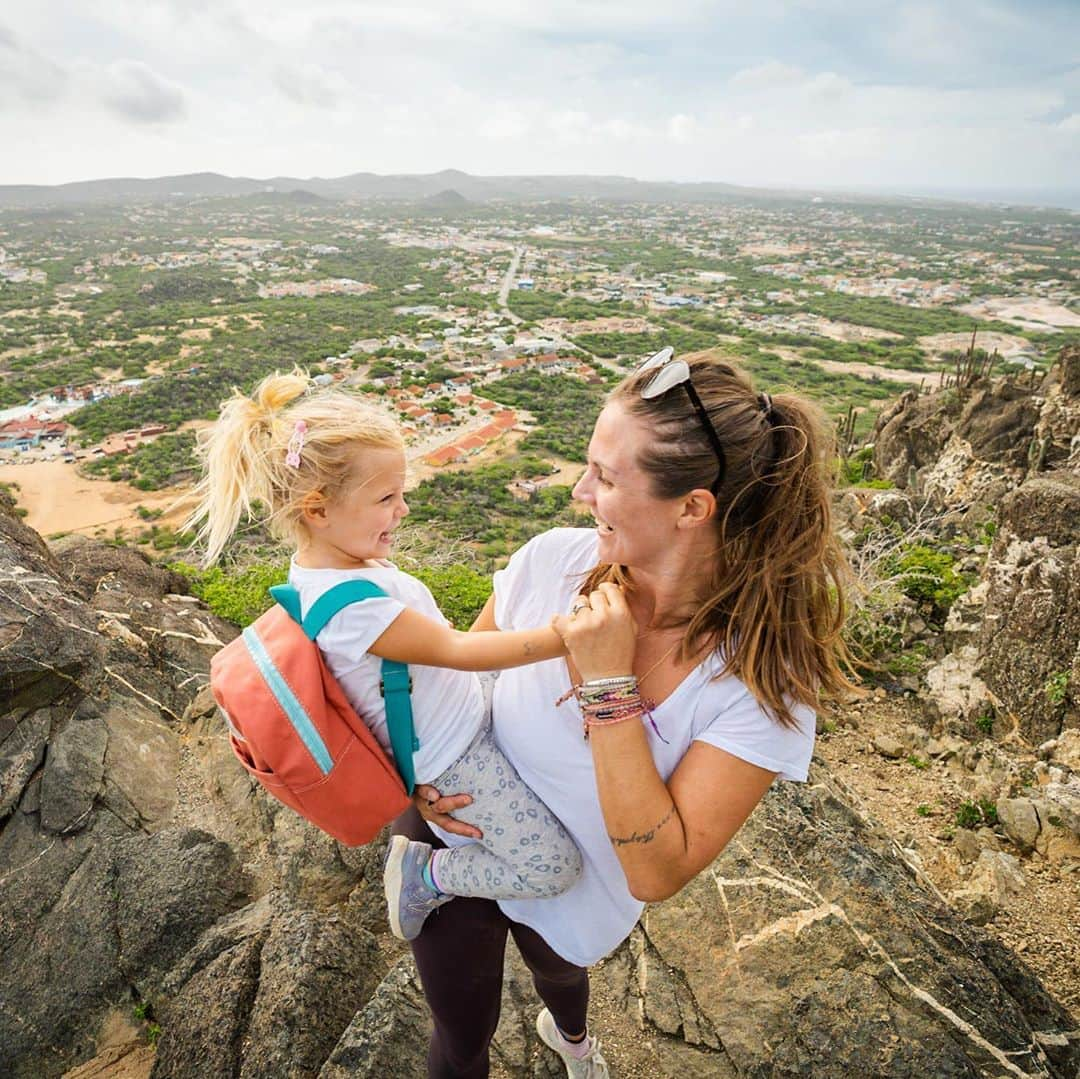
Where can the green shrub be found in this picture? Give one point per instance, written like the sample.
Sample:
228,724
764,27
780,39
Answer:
929,577
237,595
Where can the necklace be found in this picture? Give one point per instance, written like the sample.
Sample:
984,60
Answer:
659,661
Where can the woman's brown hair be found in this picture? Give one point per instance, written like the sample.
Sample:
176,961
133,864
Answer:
775,606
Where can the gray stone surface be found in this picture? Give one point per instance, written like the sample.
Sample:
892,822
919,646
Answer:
73,774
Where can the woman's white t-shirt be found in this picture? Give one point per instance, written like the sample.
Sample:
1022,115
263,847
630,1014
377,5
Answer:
546,746
448,706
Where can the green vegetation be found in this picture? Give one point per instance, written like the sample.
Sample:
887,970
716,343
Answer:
920,764
239,595
565,410
923,810
975,814
460,591
166,461
478,508
1056,687
929,577
984,722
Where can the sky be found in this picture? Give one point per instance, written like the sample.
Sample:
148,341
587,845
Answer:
802,93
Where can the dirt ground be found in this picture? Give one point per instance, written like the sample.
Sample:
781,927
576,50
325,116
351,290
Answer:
58,499
1005,343
862,370
1041,924
1028,311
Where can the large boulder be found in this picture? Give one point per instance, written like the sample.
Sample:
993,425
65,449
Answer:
1030,640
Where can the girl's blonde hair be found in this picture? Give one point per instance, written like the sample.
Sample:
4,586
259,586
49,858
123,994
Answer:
244,456
775,602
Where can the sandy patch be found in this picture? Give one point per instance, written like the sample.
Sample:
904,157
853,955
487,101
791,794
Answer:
847,331
1028,311
59,499
773,248
1006,344
869,371
612,324
198,333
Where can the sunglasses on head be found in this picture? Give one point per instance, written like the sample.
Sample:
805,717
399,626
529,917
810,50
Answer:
669,373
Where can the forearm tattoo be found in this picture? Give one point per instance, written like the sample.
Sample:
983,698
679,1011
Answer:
530,648
642,837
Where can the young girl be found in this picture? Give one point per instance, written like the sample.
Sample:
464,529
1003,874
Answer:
329,472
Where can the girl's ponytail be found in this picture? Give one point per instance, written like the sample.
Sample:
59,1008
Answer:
235,455
246,456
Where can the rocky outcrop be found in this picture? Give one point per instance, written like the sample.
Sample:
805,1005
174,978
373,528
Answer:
141,873
1029,646
1004,454
968,447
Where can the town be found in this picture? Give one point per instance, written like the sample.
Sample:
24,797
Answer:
122,328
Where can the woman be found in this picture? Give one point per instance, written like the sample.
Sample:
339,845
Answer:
705,607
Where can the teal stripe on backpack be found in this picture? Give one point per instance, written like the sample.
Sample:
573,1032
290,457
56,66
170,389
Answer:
290,705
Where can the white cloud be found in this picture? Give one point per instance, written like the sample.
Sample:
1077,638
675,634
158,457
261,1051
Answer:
137,93
25,75
682,128
766,76
309,85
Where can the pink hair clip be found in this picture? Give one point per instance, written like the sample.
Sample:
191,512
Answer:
296,444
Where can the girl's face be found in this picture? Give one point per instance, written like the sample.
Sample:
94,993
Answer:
358,525
635,527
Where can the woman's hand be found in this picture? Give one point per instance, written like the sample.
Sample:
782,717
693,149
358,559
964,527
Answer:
600,633
436,809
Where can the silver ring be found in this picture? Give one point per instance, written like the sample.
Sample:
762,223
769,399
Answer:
577,607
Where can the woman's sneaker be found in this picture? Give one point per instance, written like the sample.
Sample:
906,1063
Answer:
590,1066
409,899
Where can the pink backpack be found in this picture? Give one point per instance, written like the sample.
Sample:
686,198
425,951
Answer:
292,728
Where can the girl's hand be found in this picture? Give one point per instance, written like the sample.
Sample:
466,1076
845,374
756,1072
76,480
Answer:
436,809
600,633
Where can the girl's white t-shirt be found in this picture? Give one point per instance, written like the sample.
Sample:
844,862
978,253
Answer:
546,746
448,705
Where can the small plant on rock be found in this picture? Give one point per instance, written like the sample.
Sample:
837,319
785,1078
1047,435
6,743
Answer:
974,814
923,810
985,722
1056,687
918,763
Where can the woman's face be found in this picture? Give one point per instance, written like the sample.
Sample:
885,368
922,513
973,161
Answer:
635,527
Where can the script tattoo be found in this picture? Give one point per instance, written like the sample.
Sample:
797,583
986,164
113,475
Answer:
643,837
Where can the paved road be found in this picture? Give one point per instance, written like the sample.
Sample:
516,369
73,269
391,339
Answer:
507,284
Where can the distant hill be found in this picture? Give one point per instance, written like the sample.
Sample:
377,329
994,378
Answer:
437,188
449,197
449,186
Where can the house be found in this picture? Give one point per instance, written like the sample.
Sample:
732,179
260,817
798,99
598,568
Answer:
514,363
505,420
444,455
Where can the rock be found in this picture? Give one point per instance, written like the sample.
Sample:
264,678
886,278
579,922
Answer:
73,772
890,747
995,878
389,1036
1020,821
141,763
954,685
21,752
300,1012
967,845
203,1028
1065,750
1034,596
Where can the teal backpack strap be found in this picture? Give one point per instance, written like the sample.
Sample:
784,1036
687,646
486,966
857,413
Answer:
396,683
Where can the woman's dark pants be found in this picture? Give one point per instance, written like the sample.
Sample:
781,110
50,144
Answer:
459,956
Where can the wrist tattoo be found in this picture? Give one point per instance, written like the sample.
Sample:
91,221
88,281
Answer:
642,837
